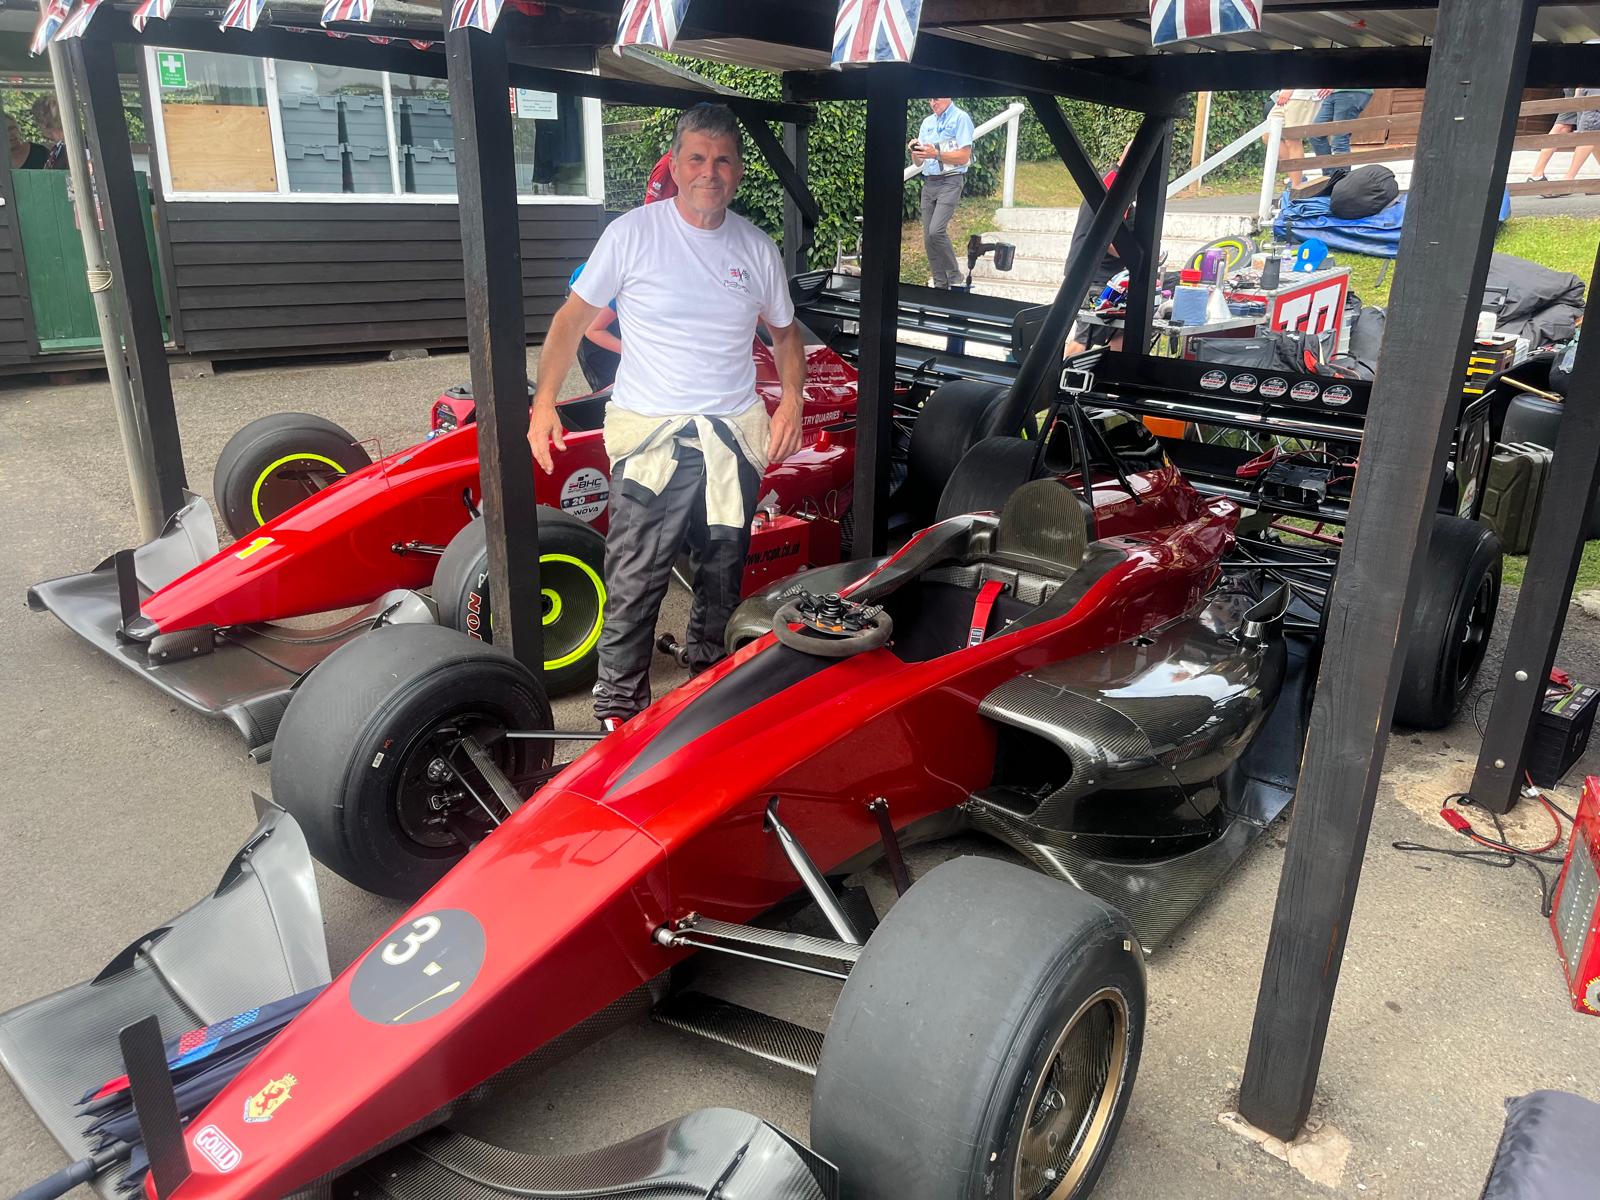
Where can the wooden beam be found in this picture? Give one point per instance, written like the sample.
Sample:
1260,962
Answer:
880,292
1042,365
1084,173
793,180
491,252
799,232
1546,591
1556,187
1149,215
1469,117
128,255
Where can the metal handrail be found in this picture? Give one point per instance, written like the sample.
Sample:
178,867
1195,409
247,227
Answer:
1009,118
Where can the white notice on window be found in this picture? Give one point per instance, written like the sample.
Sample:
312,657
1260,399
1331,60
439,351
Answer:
537,106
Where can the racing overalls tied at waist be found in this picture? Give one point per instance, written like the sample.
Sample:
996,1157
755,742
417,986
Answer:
675,481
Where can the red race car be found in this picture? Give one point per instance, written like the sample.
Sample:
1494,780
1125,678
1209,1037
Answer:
1081,677
202,624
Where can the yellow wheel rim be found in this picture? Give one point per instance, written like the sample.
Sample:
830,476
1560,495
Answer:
552,614
261,479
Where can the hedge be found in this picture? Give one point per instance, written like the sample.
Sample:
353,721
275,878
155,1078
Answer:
637,137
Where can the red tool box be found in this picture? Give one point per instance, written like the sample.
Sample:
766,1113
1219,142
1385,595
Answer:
1575,916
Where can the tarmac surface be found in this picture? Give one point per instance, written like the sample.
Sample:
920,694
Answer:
121,809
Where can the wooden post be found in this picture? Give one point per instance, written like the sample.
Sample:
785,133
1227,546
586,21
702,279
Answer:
798,233
1475,77
1546,592
491,253
1202,126
880,308
133,283
1149,214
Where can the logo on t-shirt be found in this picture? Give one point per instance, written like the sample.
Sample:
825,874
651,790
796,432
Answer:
737,280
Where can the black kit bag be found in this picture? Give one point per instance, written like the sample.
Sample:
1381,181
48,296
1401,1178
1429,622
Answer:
1363,193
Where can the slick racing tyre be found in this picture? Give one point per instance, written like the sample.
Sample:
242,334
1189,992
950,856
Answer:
1004,1079
1451,622
274,463
369,756
572,559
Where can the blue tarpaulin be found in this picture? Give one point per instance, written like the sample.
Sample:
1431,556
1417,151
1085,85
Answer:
1377,235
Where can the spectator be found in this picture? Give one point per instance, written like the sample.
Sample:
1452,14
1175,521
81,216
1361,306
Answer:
1345,104
1299,107
25,155
1566,122
1588,122
47,116
943,151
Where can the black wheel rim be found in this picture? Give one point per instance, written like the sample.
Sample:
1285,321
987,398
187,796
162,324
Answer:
289,481
439,794
1475,630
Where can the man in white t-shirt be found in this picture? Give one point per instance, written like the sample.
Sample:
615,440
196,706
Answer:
687,435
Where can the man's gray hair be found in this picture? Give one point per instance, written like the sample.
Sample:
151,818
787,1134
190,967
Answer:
713,120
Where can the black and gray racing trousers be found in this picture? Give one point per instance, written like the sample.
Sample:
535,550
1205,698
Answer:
646,535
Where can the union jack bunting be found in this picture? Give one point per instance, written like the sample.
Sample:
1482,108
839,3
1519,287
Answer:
1180,20
151,10
78,21
422,45
49,22
242,14
869,31
346,10
651,23
479,14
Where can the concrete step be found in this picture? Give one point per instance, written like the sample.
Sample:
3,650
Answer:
1047,265
1201,227
1032,293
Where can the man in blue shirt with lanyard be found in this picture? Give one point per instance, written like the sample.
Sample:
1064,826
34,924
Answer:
943,149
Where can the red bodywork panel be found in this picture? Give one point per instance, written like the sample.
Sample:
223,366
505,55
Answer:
334,550
569,890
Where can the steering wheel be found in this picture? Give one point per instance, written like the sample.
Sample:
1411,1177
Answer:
831,626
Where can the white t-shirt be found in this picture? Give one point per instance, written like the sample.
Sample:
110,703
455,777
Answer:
687,303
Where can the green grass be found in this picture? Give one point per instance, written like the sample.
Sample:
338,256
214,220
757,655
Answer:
1563,243
1588,568
973,215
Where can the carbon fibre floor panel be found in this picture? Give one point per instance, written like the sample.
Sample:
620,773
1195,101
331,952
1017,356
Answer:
712,1152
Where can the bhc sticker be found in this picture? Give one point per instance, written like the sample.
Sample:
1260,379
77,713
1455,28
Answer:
1214,381
1274,387
1305,391
1337,395
1242,385
585,493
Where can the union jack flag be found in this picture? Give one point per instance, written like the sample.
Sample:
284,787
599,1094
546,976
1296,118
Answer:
75,24
346,10
868,31
151,10
242,14
479,14
49,22
651,23
1180,20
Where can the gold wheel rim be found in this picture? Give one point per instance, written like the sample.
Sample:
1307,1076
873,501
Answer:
1068,1114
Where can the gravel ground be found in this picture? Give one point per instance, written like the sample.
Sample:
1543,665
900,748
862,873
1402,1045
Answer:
121,808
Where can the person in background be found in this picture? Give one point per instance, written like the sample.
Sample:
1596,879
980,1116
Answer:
1565,122
1345,104
1588,122
1299,107
942,150
1085,335
25,155
47,116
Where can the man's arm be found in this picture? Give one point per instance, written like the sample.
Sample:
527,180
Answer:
955,158
559,352
788,347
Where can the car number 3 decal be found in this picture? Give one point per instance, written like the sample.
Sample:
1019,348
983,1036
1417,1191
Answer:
422,929
420,970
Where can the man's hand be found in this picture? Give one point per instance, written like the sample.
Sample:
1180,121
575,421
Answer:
785,438
544,427
918,152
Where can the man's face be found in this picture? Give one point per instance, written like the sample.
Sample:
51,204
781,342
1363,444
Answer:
707,171
939,104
